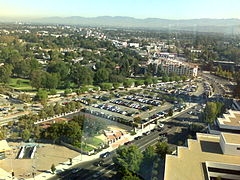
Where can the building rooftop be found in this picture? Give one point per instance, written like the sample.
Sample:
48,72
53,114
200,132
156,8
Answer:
4,146
231,120
231,138
193,162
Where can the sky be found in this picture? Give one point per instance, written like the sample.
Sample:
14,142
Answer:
166,9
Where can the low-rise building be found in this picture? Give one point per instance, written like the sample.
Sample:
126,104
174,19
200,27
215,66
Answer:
210,157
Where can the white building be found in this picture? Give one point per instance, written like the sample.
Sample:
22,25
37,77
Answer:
169,65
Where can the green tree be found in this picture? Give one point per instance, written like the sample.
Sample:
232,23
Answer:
162,148
38,79
130,177
82,75
53,168
127,83
60,68
211,111
5,73
52,81
57,108
128,158
26,135
106,86
41,96
101,76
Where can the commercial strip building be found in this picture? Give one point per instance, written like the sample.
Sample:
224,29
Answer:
208,158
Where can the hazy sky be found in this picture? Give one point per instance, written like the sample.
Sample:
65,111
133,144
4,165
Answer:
172,9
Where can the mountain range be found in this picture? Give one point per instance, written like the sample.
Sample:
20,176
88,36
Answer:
203,25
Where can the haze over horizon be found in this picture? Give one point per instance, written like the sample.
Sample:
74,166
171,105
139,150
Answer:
184,9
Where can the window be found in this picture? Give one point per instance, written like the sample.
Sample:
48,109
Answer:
238,148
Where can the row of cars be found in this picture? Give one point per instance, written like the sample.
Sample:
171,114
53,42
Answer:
175,108
103,115
82,100
142,100
111,108
130,104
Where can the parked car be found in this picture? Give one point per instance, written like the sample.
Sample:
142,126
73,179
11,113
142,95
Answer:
75,170
128,143
99,163
104,155
146,133
138,137
97,174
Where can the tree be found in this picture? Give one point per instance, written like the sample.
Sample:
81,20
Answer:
137,119
38,79
25,135
53,168
130,177
211,111
81,75
101,76
57,108
5,73
41,96
170,112
129,158
165,78
106,86
92,127
139,82
127,83
61,68
52,81
162,148
116,85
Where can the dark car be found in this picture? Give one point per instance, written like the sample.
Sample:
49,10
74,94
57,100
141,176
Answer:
146,133
138,137
128,143
104,155
99,163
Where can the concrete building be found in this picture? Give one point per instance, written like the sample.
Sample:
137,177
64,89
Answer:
208,158
174,66
3,148
228,123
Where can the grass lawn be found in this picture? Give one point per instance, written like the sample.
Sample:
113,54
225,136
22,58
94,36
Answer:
94,141
85,147
21,84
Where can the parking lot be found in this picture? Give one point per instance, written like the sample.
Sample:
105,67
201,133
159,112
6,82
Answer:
148,103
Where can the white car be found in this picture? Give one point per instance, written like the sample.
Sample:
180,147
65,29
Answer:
161,125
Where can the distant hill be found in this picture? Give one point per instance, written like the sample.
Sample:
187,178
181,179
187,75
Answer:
203,25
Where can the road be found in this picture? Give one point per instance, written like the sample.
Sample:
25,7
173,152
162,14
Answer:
107,170
89,169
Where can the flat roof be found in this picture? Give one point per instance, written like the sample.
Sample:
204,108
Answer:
231,119
190,162
4,146
231,138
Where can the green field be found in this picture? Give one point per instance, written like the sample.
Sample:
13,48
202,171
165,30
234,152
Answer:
21,84
84,147
96,142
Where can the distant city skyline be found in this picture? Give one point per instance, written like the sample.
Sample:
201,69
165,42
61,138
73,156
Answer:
174,9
